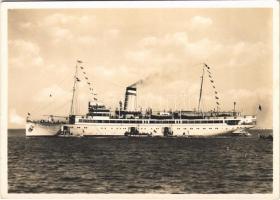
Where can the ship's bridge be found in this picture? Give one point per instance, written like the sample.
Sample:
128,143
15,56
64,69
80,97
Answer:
98,110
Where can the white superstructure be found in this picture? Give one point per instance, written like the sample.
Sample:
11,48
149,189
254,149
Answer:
94,126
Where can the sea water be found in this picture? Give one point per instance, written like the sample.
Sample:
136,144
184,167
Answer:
139,165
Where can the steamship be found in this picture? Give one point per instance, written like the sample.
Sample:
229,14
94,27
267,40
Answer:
128,121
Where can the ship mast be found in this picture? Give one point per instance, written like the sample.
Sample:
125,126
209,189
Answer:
201,86
72,110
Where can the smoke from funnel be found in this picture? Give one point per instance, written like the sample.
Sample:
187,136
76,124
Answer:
136,83
145,80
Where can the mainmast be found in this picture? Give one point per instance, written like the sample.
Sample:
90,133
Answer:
72,109
201,86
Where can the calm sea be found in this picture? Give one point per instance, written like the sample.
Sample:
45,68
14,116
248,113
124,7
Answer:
139,165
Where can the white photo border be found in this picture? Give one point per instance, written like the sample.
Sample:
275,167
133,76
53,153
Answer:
5,6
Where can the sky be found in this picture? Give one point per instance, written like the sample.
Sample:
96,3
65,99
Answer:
165,47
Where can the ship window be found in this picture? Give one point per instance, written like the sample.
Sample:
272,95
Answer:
232,122
191,128
197,128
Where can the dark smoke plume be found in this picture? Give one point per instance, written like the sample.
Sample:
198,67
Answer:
136,83
145,80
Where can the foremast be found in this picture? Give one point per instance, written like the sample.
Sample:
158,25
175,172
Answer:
200,91
72,108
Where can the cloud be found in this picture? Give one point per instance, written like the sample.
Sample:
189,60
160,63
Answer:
64,19
245,93
65,27
174,39
203,49
61,34
15,118
201,22
259,96
159,52
24,54
86,40
139,55
173,49
246,54
177,48
112,33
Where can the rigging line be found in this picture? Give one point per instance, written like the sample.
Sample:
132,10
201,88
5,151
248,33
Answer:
40,106
44,107
59,107
67,103
63,80
35,109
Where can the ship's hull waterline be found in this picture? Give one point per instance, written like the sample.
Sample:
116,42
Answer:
119,129
151,130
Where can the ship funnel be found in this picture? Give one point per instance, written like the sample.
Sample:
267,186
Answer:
130,98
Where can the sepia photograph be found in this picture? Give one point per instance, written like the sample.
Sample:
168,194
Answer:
140,99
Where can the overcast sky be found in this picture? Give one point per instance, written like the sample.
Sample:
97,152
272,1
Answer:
121,46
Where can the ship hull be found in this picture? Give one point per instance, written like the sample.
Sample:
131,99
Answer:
42,129
176,130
